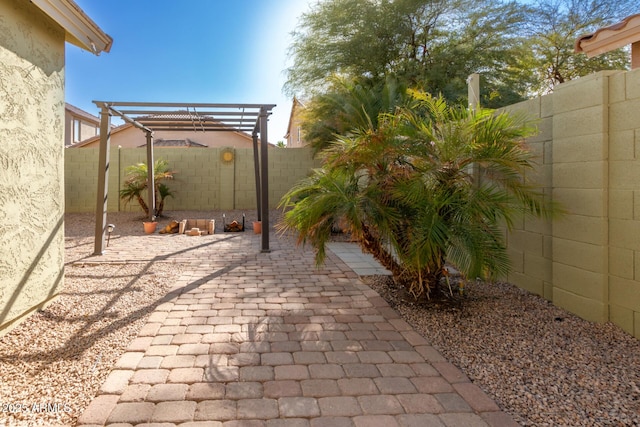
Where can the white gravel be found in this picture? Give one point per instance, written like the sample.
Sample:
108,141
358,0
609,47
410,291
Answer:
544,366
53,364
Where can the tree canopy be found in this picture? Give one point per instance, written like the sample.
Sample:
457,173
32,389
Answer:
520,49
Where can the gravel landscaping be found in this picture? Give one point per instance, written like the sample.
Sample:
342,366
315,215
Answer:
542,365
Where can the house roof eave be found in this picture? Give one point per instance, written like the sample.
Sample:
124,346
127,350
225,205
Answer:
80,30
610,38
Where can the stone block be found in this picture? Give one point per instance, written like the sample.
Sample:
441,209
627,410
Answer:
581,94
622,145
624,174
579,174
582,283
582,229
621,204
581,148
625,233
589,309
624,292
632,85
617,88
621,263
581,255
537,267
528,283
623,317
525,241
624,115
582,122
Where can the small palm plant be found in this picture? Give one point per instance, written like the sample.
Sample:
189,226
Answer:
429,184
135,185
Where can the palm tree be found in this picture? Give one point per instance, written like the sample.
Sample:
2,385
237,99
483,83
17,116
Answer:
349,105
429,184
136,184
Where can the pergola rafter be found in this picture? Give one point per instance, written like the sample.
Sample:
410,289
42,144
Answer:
150,116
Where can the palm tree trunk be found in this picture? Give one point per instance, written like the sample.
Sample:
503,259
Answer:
143,205
374,246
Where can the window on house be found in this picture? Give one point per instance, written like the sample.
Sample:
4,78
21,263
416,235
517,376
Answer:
76,130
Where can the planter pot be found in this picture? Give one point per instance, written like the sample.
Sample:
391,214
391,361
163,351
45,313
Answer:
257,227
149,227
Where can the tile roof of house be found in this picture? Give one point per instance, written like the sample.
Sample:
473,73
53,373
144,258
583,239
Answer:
175,143
610,38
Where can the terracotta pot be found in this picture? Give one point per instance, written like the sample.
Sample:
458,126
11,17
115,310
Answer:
257,227
149,227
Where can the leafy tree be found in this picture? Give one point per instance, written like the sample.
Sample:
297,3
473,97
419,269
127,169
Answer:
135,185
431,44
349,104
552,33
520,48
429,184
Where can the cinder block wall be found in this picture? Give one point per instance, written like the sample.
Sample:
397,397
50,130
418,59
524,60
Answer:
530,242
202,180
624,200
587,262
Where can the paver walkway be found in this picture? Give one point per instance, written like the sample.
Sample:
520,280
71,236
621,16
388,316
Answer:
268,340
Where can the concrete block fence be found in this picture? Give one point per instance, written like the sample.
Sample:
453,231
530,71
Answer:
202,180
588,147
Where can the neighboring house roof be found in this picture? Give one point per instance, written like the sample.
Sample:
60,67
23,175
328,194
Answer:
79,29
610,38
175,143
81,113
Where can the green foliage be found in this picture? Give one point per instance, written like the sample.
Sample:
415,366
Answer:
553,32
419,186
520,48
135,185
349,105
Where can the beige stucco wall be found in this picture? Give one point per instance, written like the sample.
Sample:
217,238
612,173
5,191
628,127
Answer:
31,159
130,137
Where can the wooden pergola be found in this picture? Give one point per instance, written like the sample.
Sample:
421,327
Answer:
150,116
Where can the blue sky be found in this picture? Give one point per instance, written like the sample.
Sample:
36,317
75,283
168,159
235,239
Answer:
220,51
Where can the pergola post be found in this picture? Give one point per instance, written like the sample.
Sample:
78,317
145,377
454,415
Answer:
103,180
151,191
256,168
264,177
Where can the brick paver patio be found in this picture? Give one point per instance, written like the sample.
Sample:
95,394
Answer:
268,340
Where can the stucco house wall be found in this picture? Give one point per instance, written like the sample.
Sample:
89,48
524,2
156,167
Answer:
32,61
31,158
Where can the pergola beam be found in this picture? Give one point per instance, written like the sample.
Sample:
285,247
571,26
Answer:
252,118
198,113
